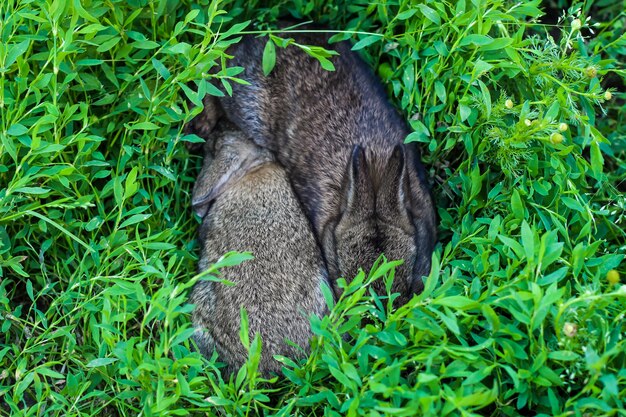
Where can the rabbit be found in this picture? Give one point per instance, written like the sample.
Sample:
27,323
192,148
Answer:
341,143
247,204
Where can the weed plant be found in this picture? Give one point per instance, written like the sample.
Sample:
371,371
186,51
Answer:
520,112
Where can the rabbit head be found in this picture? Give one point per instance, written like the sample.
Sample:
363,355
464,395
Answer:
377,216
229,156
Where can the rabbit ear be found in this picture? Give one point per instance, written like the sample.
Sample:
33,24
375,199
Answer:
219,174
206,187
392,200
358,193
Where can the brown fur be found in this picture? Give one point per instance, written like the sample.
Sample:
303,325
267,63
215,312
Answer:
341,143
249,205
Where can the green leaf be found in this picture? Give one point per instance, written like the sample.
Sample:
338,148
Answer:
17,130
217,401
144,126
109,44
235,29
269,57
430,14
96,363
192,15
366,41
89,62
406,14
464,111
244,334
92,28
213,90
147,44
134,219
130,186
553,111
161,69
181,48
476,39
496,44
457,302
528,241
321,54
339,376
514,245
421,133
563,355
192,95
573,204
32,190
486,98
326,64
440,91
328,295
82,12
449,320
29,290
597,161
15,51
232,259
50,373
481,67
431,282
516,205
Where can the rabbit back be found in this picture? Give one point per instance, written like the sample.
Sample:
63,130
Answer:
279,288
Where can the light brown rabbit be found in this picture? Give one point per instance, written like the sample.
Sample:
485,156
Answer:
247,204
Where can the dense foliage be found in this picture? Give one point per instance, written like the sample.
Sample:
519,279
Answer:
521,113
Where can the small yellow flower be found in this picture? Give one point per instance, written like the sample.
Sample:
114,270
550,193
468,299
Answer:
509,103
563,127
527,122
591,72
576,24
570,329
556,138
613,277
608,95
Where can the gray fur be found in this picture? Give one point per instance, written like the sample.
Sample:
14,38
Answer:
249,205
341,143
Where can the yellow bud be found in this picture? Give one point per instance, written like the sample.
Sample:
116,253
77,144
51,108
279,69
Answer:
570,329
591,72
576,24
613,277
608,95
527,122
508,104
563,127
556,138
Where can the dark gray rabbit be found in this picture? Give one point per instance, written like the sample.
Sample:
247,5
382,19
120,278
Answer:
247,204
341,143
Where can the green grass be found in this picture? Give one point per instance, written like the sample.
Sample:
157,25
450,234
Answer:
521,315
